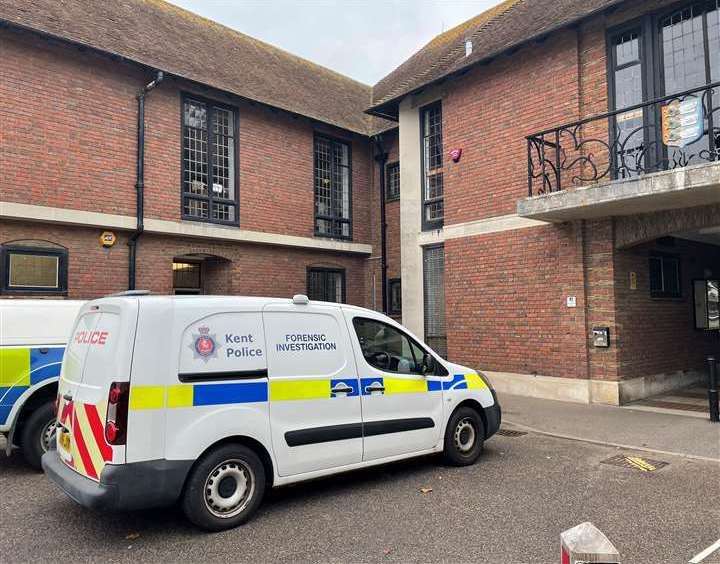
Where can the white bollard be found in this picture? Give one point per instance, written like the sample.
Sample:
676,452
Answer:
585,543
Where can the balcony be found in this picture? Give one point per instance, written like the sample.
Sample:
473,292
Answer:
658,155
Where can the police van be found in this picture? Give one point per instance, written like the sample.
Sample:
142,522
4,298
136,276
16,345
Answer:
211,400
33,334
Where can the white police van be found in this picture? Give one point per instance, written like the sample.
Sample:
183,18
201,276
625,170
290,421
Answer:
33,334
210,400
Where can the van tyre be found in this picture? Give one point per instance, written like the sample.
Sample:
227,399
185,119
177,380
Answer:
225,488
464,437
37,433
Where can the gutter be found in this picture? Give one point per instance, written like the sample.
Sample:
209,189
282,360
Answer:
140,179
381,158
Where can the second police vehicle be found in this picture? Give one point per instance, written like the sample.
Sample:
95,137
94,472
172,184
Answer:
211,400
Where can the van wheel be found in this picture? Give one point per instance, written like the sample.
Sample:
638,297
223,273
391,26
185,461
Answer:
37,432
225,488
464,437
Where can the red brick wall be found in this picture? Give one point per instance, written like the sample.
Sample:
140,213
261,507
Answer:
68,122
506,301
69,140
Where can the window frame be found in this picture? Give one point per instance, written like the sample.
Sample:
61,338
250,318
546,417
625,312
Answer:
653,78
426,224
392,197
663,294
62,271
438,368
349,220
393,310
327,270
210,103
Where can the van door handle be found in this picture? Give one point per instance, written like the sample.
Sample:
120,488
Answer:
67,397
375,388
341,388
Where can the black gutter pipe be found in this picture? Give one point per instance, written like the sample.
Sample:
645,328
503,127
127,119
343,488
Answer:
140,179
381,158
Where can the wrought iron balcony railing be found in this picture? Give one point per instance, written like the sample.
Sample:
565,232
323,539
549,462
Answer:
662,134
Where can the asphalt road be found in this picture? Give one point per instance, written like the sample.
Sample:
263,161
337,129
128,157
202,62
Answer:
510,507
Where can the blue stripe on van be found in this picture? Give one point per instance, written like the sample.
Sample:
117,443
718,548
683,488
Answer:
217,394
45,363
8,397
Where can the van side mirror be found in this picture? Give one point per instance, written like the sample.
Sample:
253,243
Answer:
428,364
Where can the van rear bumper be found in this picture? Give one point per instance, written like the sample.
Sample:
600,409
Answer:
122,487
493,417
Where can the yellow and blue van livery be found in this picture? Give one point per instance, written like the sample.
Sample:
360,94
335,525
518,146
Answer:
209,400
22,368
33,336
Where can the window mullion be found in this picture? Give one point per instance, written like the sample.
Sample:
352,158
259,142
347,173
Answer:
210,160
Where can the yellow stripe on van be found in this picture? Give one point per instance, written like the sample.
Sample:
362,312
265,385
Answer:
404,385
282,390
180,396
147,397
14,367
475,382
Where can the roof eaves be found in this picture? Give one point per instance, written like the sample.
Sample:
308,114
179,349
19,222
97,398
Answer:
393,99
367,131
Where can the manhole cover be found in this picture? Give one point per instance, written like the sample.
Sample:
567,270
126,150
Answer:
510,433
635,462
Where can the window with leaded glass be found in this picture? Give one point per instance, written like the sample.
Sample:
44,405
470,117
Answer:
432,157
434,298
326,284
209,191
332,188
392,181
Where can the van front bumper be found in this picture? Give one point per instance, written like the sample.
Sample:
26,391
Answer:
493,416
122,487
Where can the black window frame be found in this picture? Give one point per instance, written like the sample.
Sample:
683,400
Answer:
333,219
210,104
442,339
429,225
390,168
392,309
327,270
653,80
62,255
664,294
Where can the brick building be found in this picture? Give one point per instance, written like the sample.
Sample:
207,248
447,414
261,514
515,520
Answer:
515,190
577,211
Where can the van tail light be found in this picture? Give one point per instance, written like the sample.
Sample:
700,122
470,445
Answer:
117,413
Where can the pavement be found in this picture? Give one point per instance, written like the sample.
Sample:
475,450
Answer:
612,425
509,507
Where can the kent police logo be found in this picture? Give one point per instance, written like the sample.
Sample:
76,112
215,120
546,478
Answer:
204,345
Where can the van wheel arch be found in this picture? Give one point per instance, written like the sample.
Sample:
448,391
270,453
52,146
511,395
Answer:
42,395
476,406
250,443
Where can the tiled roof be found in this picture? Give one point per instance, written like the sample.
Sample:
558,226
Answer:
503,27
165,37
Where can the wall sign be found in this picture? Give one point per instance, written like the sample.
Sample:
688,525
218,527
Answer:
682,121
108,239
571,301
601,337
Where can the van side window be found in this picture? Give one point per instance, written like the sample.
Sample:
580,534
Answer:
388,348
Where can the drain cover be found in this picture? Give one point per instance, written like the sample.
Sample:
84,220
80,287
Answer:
510,433
635,462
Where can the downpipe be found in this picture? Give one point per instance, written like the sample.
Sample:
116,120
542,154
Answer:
140,179
381,158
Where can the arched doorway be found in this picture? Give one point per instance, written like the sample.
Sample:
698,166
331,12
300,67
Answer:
201,273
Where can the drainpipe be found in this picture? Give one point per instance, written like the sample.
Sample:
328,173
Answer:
381,157
140,178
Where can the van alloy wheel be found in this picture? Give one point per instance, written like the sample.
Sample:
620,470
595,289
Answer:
47,435
465,435
229,488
